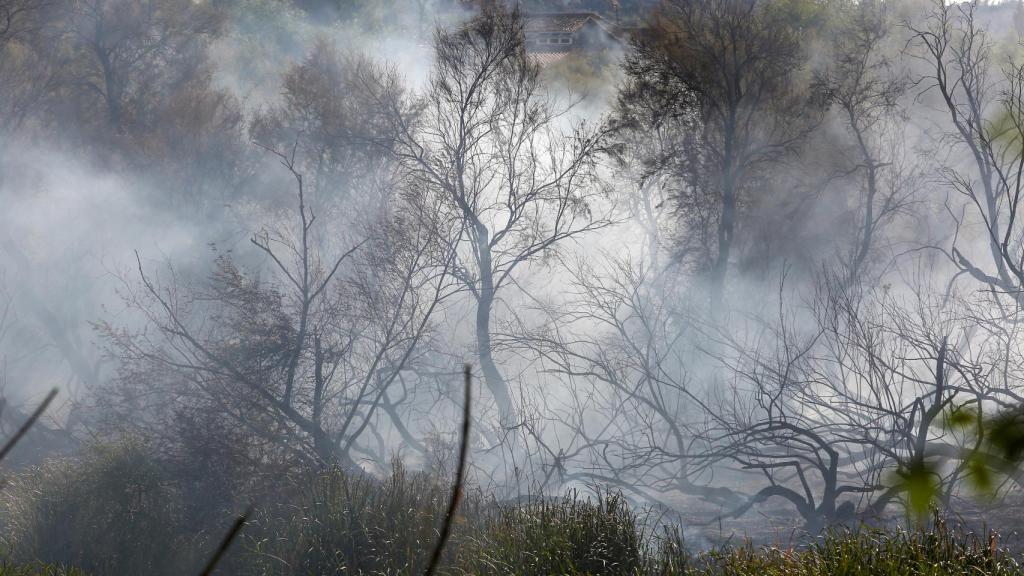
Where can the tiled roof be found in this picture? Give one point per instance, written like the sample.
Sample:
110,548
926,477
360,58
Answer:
558,22
547,58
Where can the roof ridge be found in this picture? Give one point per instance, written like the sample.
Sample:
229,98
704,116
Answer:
563,13
565,21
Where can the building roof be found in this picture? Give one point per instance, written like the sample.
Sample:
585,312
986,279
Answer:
560,24
561,21
544,59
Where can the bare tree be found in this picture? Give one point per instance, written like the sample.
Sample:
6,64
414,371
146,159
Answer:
848,416
622,348
511,186
861,82
301,358
825,406
986,111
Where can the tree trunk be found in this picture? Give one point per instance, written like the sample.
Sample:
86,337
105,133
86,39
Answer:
492,376
726,230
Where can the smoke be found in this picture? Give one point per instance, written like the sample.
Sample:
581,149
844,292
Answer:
73,221
604,341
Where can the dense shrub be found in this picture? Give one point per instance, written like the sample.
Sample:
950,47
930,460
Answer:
571,535
115,511
938,551
109,512
344,524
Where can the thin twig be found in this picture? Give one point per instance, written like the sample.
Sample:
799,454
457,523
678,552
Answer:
236,528
28,424
460,474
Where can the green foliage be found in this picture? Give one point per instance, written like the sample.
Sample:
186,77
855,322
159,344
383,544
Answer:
959,418
921,483
997,450
1004,435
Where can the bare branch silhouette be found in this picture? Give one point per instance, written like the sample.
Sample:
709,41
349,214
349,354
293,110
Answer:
233,533
28,424
460,473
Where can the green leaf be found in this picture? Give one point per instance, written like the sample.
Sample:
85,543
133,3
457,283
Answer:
920,482
960,417
1005,434
980,472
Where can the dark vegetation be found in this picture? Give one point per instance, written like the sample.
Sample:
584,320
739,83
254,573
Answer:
116,512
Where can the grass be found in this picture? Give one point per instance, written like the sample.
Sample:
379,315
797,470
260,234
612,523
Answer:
97,514
116,511
938,551
344,525
571,535
38,569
